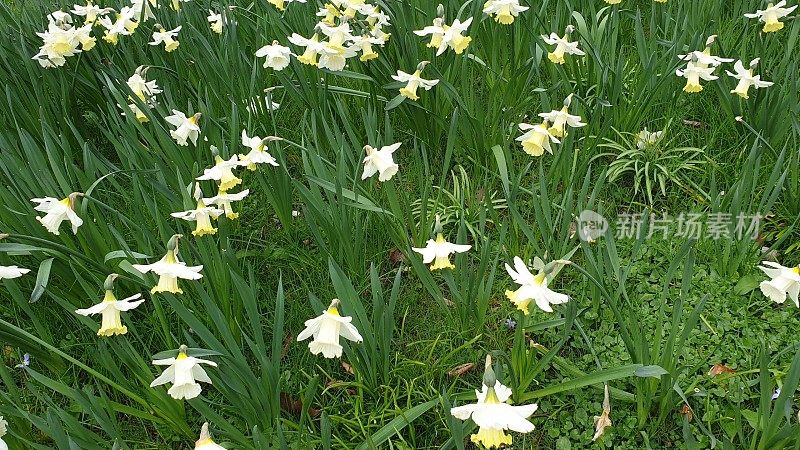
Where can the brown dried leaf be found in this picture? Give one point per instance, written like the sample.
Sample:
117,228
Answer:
396,256
693,123
294,406
687,411
460,370
287,342
348,368
719,369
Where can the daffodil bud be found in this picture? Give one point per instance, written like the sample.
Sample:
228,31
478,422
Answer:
198,193
334,304
183,349
172,245
421,66
440,10
569,30
109,283
568,101
3,236
489,377
710,40
437,228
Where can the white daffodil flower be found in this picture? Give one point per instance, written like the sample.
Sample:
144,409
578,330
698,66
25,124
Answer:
110,309
326,330
90,11
783,281
277,56
169,269
258,152
281,4
184,372
223,199
3,431
176,4
364,44
124,24
771,15
187,127
705,58
215,21
532,288
223,172
202,215
454,38
329,12
144,9
536,138
747,79
413,82
57,211
693,73
205,442
436,32
9,272
493,415
563,46
504,11
334,54
60,19
168,38
145,90
313,48
380,161
645,138
438,251
560,119
57,45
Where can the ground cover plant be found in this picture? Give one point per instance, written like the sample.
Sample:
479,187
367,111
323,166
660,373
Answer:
256,224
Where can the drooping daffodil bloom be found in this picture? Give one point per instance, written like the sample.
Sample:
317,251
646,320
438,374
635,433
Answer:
645,138
144,8
334,54
57,45
184,372
187,127
613,2
492,414
771,15
9,272
215,21
145,90
364,43
168,38
224,199
205,442
693,73
747,79
281,4
222,171
603,421
414,81
3,431
704,58
380,162
454,37
258,151
201,215
110,309
504,11
436,32
57,211
438,251
783,281
532,288
277,56
176,4
560,119
89,11
170,268
313,48
326,330
536,138
563,46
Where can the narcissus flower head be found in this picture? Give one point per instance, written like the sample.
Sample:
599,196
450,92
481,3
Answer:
693,73
563,46
3,430
560,119
90,11
645,138
504,11
493,415
187,127
202,215
205,442
145,90
313,48
258,151
438,251
771,16
536,138
380,161
170,269
224,199
9,272
281,4
326,330
532,288
436,32
124,24
747,79
783,281
168,38
414,81
223,172
277,56
110,309
57,211
184,372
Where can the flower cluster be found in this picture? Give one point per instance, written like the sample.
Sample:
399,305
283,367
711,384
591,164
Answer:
536,139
